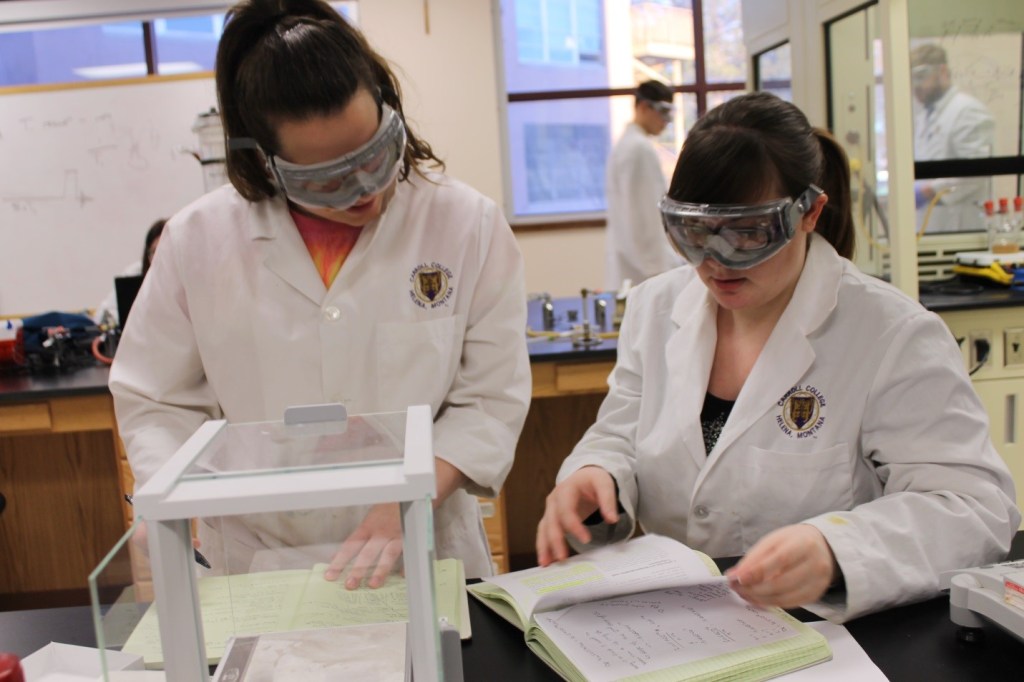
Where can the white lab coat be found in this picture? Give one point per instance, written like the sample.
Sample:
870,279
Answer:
234,322
892,462
636,245
958,127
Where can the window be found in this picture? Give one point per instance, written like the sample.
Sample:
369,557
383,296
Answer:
127,49
571,67
187,44
72,54
558,31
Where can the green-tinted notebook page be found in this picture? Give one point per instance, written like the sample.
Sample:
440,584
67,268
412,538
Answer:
279,601
703,632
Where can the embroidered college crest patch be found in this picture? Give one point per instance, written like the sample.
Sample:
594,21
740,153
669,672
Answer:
802,411
431,285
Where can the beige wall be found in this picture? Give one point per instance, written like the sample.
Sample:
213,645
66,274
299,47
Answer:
450,85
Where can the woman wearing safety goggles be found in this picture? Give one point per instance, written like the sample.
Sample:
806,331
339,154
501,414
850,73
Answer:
772,401
337,267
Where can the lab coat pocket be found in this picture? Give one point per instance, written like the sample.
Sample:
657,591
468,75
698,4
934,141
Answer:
416,361
782,488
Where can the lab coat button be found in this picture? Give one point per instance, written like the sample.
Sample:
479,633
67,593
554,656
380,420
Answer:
332,314
700,511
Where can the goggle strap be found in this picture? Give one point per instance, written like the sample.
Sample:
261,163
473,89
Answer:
240,143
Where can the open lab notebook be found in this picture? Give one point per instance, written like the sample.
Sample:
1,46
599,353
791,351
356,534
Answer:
648,610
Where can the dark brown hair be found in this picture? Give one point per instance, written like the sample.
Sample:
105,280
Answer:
653,91
757,143
152,234
291,60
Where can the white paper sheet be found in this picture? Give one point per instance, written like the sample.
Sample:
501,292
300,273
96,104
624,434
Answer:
850,663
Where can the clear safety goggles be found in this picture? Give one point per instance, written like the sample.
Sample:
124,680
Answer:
341,182
738,236
664,109
921,72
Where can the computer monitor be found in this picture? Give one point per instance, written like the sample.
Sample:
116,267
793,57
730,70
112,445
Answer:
126,289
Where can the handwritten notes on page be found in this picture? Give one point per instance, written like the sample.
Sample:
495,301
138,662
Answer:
653,632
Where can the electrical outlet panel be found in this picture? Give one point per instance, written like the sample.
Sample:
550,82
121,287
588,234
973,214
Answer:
1013,346
979,349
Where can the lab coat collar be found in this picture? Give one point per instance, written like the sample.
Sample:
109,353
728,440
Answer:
284,252
784,360
286,255
689,353
788,353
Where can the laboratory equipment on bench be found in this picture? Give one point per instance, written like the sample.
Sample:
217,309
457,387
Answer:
585,321
585,335
1001,268
993,593
272,498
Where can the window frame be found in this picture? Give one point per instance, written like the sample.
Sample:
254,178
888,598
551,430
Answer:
700,88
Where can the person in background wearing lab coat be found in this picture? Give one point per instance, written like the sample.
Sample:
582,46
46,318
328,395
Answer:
336,267
948,124
107,312
772,401
635,243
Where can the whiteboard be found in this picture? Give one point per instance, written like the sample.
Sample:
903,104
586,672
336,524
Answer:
84,172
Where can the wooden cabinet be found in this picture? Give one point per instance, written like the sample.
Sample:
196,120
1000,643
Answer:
566,397
59,474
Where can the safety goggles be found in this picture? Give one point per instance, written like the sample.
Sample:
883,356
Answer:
664,109
738,236
341,182
921,72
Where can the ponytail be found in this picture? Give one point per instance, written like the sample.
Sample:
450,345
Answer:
836,221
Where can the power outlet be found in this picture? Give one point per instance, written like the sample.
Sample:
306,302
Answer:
979,349
1013,346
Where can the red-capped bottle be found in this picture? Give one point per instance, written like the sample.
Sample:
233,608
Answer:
1003,237
10,668
990,220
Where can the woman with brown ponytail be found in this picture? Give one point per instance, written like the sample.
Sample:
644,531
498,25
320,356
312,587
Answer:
770,400
336,267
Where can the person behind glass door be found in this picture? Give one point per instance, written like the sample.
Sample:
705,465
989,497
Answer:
635,243
774,402
107,312
948,124
336,267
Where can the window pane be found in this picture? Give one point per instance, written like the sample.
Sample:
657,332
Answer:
593,44
663,41
725,57
687,103
559,150
72,54
775,72
187,44
717,97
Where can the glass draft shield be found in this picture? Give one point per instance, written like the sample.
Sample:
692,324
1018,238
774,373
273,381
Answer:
739,236
339,183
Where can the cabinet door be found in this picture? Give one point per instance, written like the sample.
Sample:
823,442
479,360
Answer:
1002,399
63,511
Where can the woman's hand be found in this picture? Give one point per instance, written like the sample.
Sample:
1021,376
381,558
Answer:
789,567
573,500
373,548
